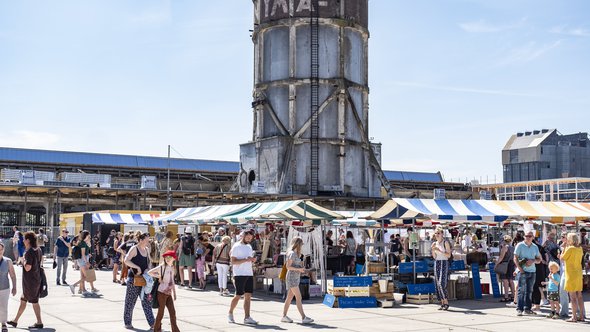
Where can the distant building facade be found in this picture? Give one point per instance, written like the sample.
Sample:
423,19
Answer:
545,154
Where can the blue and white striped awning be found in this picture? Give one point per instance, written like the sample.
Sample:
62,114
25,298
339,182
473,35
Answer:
437,209
123,218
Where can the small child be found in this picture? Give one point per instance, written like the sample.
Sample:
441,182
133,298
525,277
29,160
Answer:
200,266
553,290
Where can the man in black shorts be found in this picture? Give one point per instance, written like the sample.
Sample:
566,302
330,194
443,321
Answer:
242,257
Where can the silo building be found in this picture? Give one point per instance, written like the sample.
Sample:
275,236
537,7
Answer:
310,101
545,154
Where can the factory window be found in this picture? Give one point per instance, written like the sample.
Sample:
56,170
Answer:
541,150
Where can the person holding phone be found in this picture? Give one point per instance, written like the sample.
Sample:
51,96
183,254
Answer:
242,257
295,268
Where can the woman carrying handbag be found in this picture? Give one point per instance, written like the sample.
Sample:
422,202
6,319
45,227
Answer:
505,268
137,260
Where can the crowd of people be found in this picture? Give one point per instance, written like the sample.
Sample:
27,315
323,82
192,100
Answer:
554,267
151,268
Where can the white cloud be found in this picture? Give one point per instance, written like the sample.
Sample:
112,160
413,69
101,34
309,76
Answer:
576,32
29,139
527,53
463,89
481,26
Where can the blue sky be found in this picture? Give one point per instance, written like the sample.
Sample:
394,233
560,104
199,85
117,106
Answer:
450,80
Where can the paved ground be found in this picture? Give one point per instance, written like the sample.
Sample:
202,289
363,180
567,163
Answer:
199,311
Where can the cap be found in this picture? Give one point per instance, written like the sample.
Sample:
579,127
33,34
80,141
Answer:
188,230
248,231
170,253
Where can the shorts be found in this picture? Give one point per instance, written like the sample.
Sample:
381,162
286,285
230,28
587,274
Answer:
553,296
244,284
186,260
81,262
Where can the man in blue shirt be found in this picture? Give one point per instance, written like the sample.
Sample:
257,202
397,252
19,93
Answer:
526,255
61,252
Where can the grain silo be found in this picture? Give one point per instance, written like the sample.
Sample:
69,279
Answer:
310,101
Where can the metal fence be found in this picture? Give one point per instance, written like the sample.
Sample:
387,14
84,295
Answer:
6,234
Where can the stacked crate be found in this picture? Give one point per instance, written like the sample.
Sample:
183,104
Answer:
350,292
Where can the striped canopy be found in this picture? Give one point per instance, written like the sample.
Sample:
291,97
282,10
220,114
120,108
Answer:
555,212
123,218
284,210
201,214
481,210
440,209
355,219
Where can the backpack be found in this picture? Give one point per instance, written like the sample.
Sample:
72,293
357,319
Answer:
188,245
76,252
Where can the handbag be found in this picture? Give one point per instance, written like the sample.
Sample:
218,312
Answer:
283,274
43,288
155,303
501,268
139,280
90,275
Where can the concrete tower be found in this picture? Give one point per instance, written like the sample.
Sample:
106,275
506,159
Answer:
311,101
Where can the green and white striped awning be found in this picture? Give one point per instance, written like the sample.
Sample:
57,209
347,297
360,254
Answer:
284,210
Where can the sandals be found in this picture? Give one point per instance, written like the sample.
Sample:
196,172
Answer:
572,320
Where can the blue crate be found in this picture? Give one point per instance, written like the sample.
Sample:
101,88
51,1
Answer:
415,289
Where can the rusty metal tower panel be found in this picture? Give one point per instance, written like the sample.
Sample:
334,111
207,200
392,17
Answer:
279,158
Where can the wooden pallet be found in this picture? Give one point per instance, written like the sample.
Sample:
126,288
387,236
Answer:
419,299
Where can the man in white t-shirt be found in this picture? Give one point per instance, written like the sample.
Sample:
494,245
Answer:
242,257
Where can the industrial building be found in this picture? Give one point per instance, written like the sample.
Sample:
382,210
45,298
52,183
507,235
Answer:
544,165
46,183
545,154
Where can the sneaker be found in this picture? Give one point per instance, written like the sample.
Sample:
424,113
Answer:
518,313
129,327
550,315
306,320
511,305
94,290
225,292
64,283
72,289
286,320
545,303
529,312
556,316
250,321
58,283
230,318
81,291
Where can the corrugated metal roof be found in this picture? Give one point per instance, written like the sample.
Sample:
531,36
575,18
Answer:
143,162
521,141
113,160
413,176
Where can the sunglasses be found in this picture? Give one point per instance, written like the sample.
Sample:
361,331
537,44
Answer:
528,236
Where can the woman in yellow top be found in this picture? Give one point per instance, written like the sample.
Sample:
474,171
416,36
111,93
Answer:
572,257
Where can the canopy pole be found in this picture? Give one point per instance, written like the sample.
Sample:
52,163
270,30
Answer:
413,250
325,258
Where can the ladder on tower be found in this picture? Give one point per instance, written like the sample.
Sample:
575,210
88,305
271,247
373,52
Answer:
315,86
